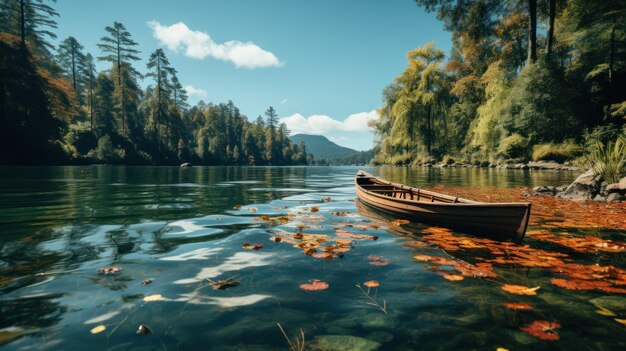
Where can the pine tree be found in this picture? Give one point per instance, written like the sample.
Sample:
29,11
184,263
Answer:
71,57
160,66
118,48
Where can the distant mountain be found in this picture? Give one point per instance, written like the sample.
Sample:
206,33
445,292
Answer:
322,148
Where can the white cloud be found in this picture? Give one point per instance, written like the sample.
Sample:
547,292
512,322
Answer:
320,124
199,45
193,91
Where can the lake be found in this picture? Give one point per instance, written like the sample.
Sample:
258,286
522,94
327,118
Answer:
88,254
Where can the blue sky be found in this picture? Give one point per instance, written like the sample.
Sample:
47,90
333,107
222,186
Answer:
322,64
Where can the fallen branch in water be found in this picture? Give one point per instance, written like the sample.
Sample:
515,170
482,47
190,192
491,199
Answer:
373,301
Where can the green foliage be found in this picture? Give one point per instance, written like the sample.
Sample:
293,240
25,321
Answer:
538,103
566,151
447,159
513,147
607,159
105,151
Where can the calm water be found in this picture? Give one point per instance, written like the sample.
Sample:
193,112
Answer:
179,227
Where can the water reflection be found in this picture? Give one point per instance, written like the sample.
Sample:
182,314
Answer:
178,227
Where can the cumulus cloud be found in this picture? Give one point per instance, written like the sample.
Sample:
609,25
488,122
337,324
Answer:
193,91
320,124
199,45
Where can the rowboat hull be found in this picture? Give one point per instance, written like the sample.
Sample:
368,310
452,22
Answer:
504,221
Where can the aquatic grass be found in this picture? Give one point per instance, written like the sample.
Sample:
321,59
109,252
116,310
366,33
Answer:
297,343
606,160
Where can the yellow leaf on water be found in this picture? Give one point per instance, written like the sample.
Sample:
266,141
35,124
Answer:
98,329
155,297
605,312
622,321
501,349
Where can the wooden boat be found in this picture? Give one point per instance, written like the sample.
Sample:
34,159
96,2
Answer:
504,221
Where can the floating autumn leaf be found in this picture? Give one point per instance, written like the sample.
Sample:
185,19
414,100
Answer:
237,207
314,284
378,261
517,306
501,349
264,218
621,321
544,330
109,270
340,213
424,258
224,284
152,298
326,199
314,209
97,330
252,209
372,283
605,312
453,277
252,247
520,289
399,222
146,281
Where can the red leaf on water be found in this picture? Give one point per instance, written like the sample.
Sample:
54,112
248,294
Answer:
544,330
314,285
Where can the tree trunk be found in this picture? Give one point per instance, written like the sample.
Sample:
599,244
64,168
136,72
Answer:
23,24
612,54
552,15
3,113
428,130
532,31
74,70
123,108
91,101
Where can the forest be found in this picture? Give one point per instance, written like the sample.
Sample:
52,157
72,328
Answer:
56,108
525,79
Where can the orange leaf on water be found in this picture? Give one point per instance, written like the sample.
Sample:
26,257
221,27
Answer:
314,209
544,330
517,306
372,283
453,277
399,222
520,289
314,284
422,257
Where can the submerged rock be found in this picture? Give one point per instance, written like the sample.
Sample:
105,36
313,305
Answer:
380,336
343,343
